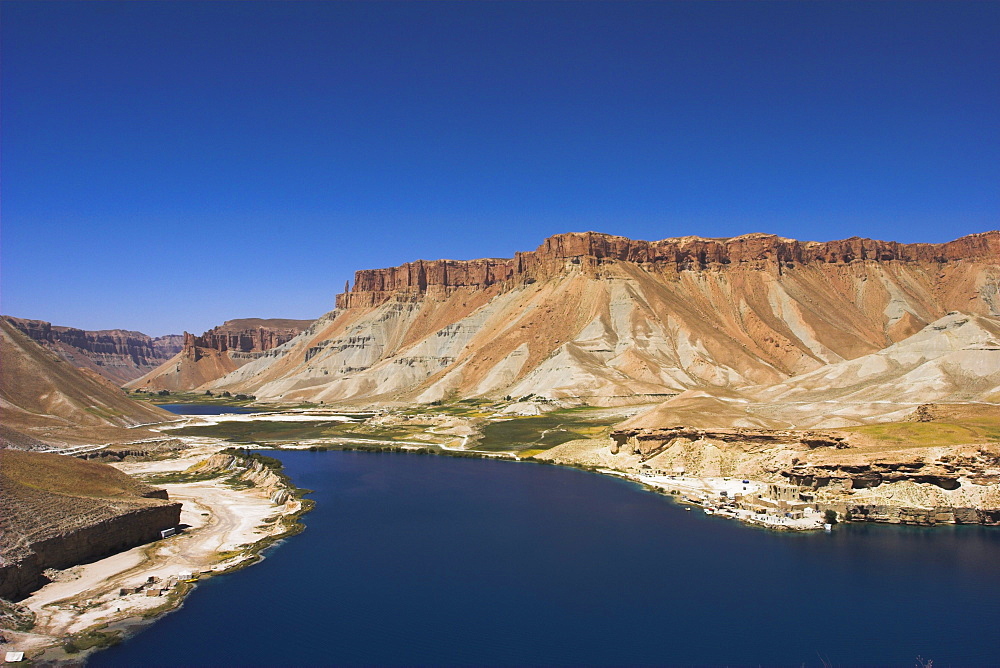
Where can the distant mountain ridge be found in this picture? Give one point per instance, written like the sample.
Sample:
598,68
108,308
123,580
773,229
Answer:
117,354
604,319
218,351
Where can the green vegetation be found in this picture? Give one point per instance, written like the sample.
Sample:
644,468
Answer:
178,478
206,398
470,408
830,516
546,431
933,434
264,431
269,462
92,639
103,413
529,435
15,617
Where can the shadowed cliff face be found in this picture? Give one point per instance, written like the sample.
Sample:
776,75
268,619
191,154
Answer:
60,511
118,355
608,319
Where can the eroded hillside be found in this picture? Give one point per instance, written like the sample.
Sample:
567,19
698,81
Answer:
606,320
45,399
217,352
59,511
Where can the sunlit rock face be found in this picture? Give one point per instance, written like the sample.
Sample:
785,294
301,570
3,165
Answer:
607,320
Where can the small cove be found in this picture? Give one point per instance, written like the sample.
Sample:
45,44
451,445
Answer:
418,559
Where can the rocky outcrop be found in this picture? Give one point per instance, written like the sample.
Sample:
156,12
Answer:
219,351
258,471
650,442
947,470
59,511
892,514
115,534
860,478
591,249
250,335
118,355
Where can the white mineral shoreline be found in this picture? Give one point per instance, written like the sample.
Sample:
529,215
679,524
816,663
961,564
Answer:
222,522
711,495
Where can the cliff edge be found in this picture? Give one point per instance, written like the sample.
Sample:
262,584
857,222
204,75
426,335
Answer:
59,511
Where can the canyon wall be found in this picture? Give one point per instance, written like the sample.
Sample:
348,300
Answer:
118,355
248,335
604,319
46,400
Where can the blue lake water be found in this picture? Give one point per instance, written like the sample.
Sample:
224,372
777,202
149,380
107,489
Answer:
430,560
206,409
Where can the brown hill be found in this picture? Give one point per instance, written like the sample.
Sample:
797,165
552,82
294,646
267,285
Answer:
954,360
118,355
610,320
219,351
44,398
59,511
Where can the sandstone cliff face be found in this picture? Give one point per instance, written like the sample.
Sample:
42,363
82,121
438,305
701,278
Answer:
590,249
118,355
217,352
606,319
251,335
59,511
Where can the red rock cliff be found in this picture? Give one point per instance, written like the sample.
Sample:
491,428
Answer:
588,249
249,335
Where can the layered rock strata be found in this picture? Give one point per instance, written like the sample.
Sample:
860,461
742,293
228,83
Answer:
606,320
116,354
250,335
591,249
861,480
46,400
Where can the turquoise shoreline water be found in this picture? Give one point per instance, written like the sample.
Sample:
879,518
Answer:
428,560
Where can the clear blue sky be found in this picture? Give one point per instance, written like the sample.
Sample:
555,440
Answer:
167,166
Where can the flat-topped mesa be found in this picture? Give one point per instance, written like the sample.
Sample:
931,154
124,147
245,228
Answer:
248,335
590,249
